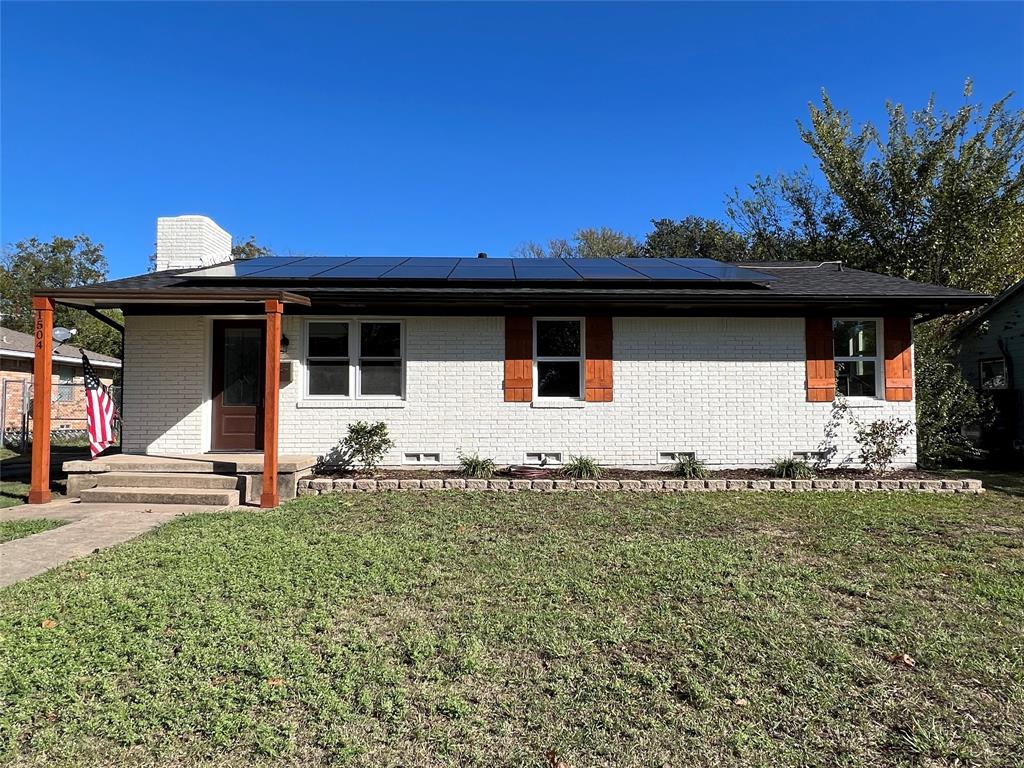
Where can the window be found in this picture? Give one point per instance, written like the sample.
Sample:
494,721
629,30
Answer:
380,359
327,359
558,358
66,383
345,356
992,373
856,349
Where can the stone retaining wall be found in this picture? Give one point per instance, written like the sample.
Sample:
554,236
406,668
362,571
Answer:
309,486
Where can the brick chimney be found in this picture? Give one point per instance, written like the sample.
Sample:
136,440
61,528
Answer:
190,241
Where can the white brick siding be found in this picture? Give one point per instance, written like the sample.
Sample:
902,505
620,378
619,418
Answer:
729,389
190,241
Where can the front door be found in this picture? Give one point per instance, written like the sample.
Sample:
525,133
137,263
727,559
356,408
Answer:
238,360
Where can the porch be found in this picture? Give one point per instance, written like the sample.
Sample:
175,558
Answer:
202,478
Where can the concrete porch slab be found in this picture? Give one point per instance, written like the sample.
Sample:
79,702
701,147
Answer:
219,463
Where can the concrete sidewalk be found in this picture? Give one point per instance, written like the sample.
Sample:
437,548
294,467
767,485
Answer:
90,527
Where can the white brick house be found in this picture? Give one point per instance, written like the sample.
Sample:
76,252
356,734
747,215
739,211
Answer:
628,361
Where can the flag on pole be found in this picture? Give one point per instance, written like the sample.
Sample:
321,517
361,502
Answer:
99,410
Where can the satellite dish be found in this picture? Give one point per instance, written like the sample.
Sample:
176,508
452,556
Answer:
61,335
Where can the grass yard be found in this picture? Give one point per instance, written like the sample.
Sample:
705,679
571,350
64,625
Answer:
16,529
13,493
533,630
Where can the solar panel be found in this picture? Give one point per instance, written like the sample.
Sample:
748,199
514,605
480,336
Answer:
483,269
720,271
665,269
362,268
603,269
543,269
496,270
307,267
422,269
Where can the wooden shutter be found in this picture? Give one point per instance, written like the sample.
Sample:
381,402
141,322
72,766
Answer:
598,365
899,368
821,368
518,359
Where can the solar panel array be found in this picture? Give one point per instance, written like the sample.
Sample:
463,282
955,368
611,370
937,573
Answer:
487,270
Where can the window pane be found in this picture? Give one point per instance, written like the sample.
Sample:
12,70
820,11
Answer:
380,340
243,364
856,379
380,378
328,339
328,377
558,338
558,379
853,338
993,374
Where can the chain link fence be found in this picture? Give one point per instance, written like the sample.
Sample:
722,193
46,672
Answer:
68,421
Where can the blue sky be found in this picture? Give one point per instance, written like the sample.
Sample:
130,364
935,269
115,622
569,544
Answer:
443,129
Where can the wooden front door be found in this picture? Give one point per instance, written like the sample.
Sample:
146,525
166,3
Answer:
238,361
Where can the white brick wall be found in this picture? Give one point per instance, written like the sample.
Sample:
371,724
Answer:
190,241
729,389
166,380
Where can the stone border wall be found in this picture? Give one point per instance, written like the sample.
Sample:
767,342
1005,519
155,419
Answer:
314,486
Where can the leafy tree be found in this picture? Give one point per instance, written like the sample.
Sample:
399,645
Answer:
940,198
59,263
587,243
790,217
946,403
694,237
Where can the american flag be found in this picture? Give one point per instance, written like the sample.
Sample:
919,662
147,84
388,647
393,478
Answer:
99,410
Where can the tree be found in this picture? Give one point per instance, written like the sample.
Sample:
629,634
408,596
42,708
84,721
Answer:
694,237
940,198
790,217
60,263
587,243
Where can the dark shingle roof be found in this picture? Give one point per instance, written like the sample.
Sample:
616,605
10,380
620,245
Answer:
767,284
16,341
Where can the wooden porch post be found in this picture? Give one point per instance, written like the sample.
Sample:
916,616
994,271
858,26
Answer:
39,490
271,384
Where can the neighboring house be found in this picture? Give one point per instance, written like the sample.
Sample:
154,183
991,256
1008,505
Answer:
631,361
992,359
16,353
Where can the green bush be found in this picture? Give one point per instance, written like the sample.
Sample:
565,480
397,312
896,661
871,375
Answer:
691,468
794,469
365,445
582,468
475,467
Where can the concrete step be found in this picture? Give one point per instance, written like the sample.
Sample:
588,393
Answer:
120,495
166,480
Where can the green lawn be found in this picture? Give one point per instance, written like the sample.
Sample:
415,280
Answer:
16,529
487,629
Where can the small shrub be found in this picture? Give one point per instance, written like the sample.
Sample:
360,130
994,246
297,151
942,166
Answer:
881,442
365,444
691,468
582,468
475,467
794,469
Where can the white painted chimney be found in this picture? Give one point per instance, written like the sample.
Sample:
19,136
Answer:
190,241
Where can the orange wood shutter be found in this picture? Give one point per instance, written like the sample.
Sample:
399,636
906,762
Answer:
518,359
598,374
821,368
899,368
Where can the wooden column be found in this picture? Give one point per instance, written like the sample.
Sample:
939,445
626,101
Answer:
39,490
271,388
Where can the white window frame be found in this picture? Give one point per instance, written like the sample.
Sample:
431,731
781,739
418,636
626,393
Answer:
581,359
65,389
359,358
981,380
354,359
306,357
878,358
